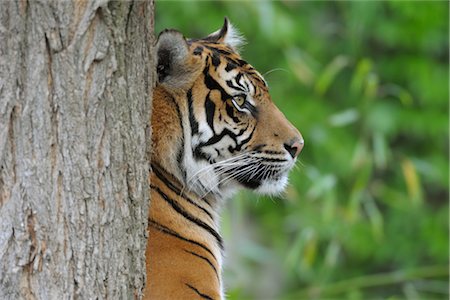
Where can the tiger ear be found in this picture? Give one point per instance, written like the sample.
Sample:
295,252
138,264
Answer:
227,35
173,56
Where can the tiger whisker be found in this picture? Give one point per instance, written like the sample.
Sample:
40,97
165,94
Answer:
229,163
213,165
223,171
231,176
273,70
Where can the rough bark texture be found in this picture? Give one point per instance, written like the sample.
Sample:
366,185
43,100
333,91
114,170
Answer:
75,96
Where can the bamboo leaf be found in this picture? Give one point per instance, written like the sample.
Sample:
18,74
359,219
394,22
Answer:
412,181
329,74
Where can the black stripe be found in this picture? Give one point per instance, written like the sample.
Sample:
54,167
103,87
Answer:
241,62
256,76
192,120
183,196
210,109
216,138
230,112
198,50
238,79
215,59
204,296
170,232
246,84
230,66
205,259
199,155
244,142
188,216
180,151
180,156
221,51
214,85
272,152
267,159
159,173
231,85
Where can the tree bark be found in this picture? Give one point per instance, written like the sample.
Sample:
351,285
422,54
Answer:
76,80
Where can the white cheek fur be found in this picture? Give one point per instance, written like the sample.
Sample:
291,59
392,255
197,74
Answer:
273,187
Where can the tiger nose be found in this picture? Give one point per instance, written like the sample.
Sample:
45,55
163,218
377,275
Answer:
295,148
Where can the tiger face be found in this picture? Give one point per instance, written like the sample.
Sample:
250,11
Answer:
214,124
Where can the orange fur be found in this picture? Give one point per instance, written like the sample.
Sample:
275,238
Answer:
170,260
197,124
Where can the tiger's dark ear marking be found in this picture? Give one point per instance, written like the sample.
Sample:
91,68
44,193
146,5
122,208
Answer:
172,53
227,35
218,36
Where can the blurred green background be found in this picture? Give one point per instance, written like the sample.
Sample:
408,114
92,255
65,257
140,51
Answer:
366,212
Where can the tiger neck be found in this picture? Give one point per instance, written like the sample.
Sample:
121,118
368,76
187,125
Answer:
191,225
207,204
199,213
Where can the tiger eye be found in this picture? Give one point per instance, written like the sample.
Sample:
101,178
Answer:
239,100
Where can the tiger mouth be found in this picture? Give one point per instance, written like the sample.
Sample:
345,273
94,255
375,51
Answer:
254,179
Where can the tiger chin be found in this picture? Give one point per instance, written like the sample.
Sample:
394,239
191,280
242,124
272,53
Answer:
215,130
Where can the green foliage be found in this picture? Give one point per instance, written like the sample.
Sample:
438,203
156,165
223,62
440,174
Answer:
366,213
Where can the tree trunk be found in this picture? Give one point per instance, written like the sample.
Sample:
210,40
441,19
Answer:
76,80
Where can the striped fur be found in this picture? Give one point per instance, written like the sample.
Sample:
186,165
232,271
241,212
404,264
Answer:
215,130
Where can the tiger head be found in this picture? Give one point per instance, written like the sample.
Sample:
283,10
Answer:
214,124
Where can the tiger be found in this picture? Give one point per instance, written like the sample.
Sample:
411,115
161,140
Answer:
215,130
